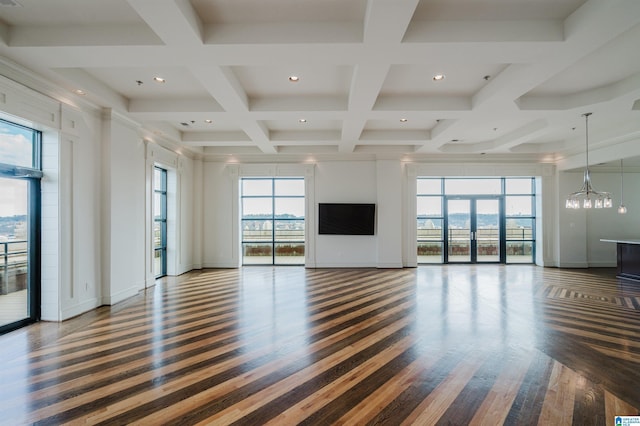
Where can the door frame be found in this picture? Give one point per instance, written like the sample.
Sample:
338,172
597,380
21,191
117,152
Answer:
473,230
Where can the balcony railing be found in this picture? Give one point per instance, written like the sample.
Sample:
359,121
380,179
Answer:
13,266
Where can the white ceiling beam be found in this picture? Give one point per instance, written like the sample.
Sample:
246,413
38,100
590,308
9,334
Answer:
175,105
524,134
366,83
259,134
200,138
174,21
386,21
222,84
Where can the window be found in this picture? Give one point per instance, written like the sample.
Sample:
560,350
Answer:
20,174
520,219
272,221
496,223
430,221
159,222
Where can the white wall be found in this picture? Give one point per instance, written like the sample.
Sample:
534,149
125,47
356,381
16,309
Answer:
346,182
220,207
580,230
123,207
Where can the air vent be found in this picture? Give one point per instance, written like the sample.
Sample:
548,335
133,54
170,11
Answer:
10,3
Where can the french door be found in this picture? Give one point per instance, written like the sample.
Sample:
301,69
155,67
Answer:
473,229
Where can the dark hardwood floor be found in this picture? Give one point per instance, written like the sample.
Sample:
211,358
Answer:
459,345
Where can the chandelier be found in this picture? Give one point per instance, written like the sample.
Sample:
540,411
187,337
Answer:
588,196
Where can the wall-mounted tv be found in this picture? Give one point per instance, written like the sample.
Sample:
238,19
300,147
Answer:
346,219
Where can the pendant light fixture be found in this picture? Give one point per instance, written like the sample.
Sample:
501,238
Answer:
622,209
588,196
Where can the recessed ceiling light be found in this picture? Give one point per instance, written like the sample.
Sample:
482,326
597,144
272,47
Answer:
80,92
403,120
159,80
438,77
302,120
294,78
208,121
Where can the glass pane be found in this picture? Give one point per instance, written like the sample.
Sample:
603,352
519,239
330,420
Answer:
13,250
488,230
157,263
472,186
429,252
519,252
519,229
429,229
519,205
256,207
256,254
459,216
157,179
157,234
429,206
518,186
257,230
289,187
16,145
289,254
157,205
289,230
429,186
256,187
289,207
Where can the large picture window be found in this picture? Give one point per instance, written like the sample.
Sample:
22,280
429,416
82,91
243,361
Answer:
273,221
474,220
20,174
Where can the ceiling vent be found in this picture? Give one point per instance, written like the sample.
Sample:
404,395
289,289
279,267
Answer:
11,3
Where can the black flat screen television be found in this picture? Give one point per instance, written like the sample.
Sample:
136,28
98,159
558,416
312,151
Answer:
346,219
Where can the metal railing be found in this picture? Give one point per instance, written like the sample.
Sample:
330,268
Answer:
482,233
13,265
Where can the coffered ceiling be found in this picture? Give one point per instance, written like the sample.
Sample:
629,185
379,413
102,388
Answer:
517,74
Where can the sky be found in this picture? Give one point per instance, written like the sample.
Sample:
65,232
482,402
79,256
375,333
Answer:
15,149
13,197
15,145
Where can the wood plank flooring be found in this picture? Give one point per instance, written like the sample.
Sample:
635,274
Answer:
435,345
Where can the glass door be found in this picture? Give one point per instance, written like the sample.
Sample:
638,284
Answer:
14,300
473,230
159,222
459,233
20,176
